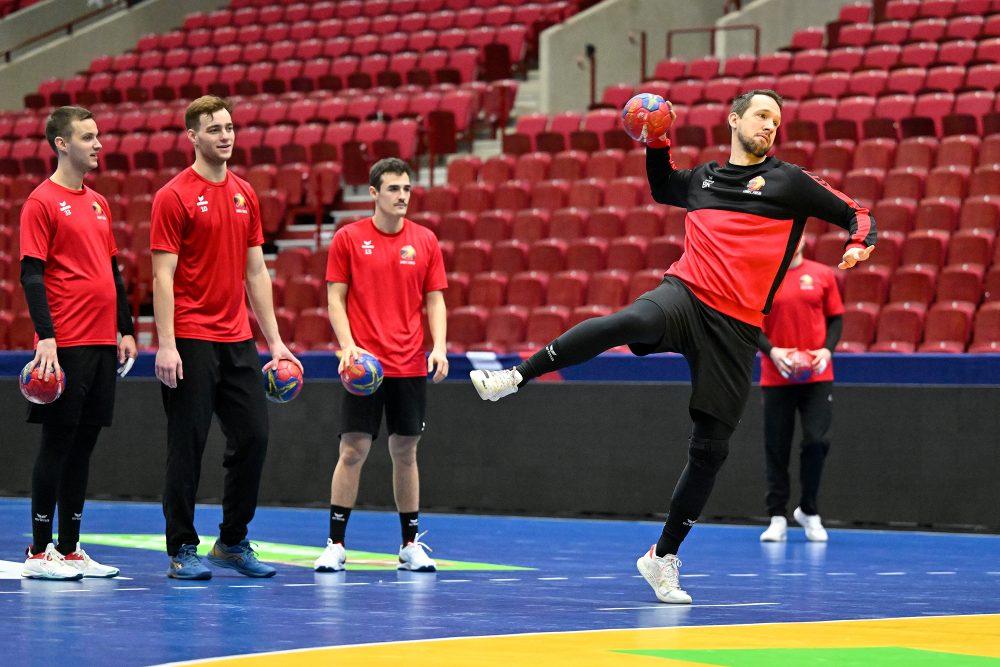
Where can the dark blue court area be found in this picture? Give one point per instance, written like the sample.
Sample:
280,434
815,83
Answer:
577,575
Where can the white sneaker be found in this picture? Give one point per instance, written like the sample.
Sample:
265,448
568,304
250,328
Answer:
49,564
332,559
777,531
412,556
662,575
80,561
494,385
815,532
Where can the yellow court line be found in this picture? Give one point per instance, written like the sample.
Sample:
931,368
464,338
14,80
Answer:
967,635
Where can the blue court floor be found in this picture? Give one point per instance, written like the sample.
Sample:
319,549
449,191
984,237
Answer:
498,576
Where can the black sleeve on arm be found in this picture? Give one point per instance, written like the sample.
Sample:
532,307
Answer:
834,329
764,343
816,198
33,282
125,325
667,184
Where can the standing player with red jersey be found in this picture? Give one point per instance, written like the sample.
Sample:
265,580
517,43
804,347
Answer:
206,239
380,272
76,298
807,316
744,221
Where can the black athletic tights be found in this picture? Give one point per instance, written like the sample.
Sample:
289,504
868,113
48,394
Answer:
643,322
60,476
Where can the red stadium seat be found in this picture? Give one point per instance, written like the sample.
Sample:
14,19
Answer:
859,327
900,327
913,283
567,288
948,327
986,329
528,288
488,289
546,323
960,282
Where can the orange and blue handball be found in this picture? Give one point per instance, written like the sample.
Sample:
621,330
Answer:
647,117
363,377
283,382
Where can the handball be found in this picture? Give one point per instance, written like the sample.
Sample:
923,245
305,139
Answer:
646,117
802,368
284,382
363,377
35,389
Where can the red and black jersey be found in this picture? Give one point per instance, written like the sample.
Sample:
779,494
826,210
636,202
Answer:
743,224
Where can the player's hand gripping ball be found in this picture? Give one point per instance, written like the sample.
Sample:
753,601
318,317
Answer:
283,382
35,389
802,366
363,377
647,117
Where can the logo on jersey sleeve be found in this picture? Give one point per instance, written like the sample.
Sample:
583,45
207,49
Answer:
98,211
241,203
202,204
367,247
66,209
754,185
407,255
807,282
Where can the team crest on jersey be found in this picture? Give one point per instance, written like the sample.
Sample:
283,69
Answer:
241,203
98,211
367,247
407,255
754,185
807,282
66,209
202,204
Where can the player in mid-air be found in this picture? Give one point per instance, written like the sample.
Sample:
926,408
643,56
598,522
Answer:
744,221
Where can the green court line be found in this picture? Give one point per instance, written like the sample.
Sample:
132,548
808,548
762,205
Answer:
876,656
291,554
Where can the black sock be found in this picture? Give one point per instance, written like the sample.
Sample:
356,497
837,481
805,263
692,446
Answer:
409,525
338,523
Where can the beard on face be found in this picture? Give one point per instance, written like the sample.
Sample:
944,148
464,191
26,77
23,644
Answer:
750,147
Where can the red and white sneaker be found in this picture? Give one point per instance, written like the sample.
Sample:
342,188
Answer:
662,575
412,557
49,564
89,567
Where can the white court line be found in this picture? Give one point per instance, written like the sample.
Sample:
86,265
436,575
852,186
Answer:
791,574
455,581
890,574
73,590
189,588
131,589
603,576
689,606
509,579
553,578
297,585
841,574
743,574
246,586
944,572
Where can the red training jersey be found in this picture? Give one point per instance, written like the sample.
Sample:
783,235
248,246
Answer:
387,276
808,296
70,230
209,226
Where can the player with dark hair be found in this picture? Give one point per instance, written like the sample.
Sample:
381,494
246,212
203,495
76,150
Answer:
77,302
381,271
206,239
744,221
807,316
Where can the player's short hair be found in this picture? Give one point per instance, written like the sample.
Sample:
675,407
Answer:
204,105
389,165
60,123
742,102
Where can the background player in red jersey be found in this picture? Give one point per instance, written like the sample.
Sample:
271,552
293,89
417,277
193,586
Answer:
744,221
206,239
76,298
807,315
380,273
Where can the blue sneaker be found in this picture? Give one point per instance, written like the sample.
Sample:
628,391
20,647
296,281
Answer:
187,565
241,558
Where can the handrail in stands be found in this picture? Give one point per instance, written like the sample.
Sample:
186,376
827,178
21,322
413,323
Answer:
711,31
